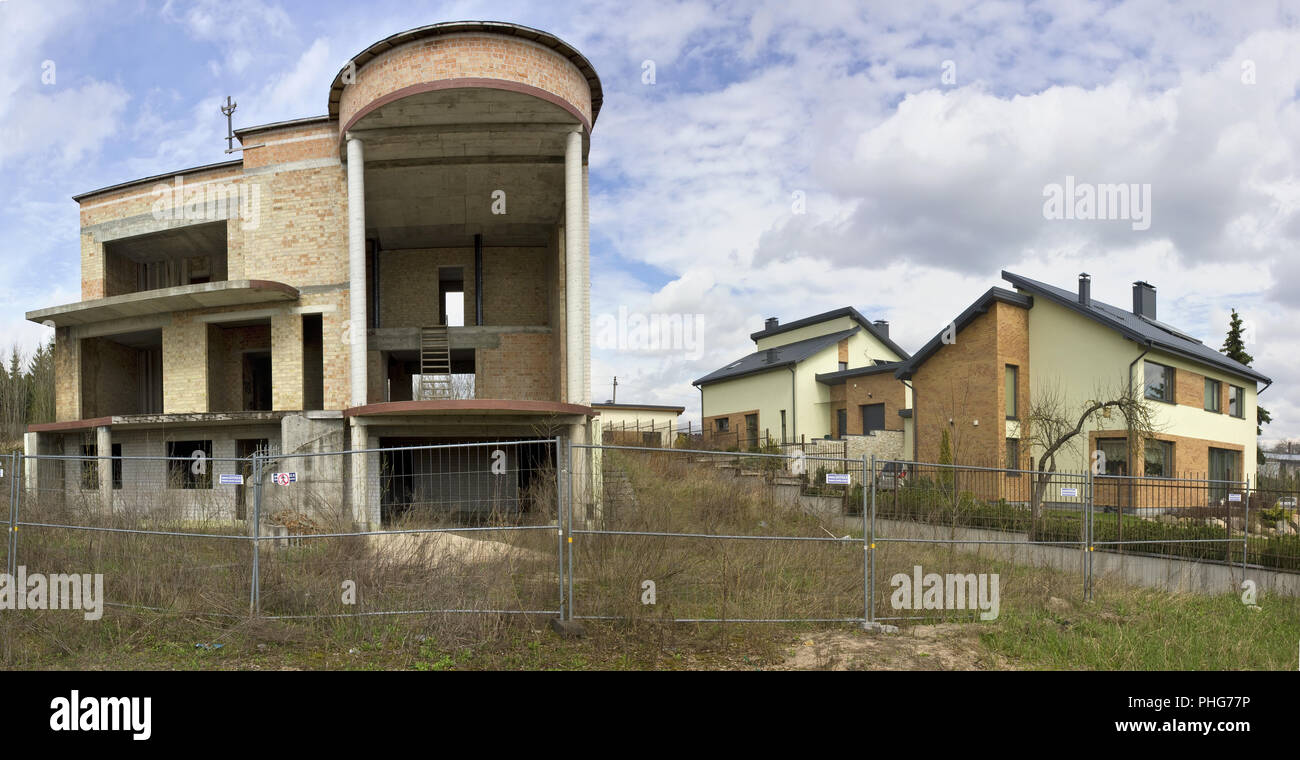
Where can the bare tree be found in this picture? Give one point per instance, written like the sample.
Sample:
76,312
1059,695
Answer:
1051,426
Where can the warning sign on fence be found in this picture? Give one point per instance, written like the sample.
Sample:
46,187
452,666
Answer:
230,480
837,478
1234,497
284,478
1070,492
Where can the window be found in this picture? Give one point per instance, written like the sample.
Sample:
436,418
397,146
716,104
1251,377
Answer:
1213,396
117,467
1159,382
1159,457
842,422
89,468
783,438
844,366
1114,453
1012,383
1236,401
188,465
723,424
1013,456
873,418
751,429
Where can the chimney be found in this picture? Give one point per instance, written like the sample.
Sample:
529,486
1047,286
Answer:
1144,299
770,323
882,327
771,356
1085,289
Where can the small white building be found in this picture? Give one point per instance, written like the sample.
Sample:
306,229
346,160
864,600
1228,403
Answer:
638,424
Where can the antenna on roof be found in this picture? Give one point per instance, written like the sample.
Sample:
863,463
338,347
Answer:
229,110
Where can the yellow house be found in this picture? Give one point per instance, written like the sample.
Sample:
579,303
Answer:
979,377
825,376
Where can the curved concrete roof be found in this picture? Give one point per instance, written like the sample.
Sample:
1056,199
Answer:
462,27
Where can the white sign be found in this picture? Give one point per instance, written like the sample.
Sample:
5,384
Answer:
1070,492
1234,497
837,478
230,480
284,478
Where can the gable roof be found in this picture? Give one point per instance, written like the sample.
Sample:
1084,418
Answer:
981,305
1141,330
772,358
847,311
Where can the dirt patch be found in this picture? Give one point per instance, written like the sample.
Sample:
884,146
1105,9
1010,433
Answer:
436,548
946,646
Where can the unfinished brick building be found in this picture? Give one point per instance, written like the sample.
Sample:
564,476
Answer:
410,268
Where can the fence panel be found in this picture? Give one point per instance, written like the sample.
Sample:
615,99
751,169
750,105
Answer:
700,536
449,529
958,542
160,530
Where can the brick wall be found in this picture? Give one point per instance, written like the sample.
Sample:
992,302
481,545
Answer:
226,349
856,392
185,365
286,362
473,55
519,369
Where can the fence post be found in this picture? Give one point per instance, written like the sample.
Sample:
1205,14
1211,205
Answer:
255,591
1087,536
868,538
15,495
568,477
1245,527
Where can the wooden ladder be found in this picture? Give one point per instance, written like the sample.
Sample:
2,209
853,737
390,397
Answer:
435,364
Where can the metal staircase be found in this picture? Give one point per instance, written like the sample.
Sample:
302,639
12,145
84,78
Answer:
435,364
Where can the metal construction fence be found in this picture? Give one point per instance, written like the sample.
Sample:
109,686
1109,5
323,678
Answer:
548,527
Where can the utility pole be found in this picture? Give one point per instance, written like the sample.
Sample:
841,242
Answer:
614,400
229,110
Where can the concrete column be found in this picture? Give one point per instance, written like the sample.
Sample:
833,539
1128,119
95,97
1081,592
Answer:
104,448
31,467
574,246
586,290
357,268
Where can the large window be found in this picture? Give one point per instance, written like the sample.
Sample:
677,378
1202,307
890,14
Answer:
1115,455
1159,382
1159,457
189,464
1012,383
1236,401
1213,396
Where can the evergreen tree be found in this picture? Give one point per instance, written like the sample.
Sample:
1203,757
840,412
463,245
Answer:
1234,347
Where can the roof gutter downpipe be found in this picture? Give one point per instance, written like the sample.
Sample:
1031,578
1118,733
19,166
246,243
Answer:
1145,351
794,412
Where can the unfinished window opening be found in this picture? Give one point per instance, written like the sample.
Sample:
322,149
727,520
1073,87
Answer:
461,486
451,296
121,374
257,381
189,464
313,363
190,255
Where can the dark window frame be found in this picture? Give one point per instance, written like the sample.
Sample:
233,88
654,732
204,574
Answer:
1169,385
1216,395
1238,394
1168,467
1013,457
